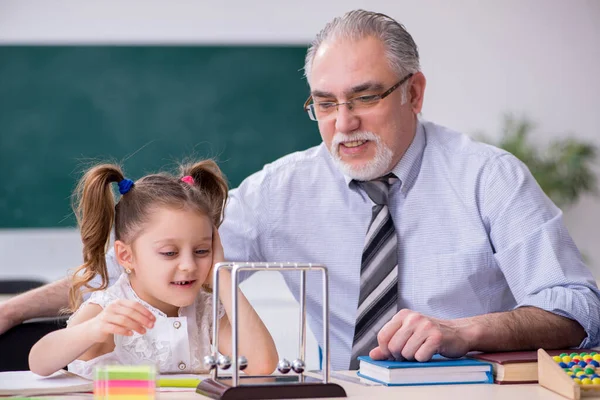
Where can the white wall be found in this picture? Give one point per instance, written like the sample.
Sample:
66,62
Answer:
482,58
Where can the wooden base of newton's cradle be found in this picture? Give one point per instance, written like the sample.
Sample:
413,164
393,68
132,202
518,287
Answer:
269,387
553,377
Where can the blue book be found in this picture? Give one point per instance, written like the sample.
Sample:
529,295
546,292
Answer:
438,371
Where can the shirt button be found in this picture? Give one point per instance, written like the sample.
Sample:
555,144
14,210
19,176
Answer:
182,366
176,324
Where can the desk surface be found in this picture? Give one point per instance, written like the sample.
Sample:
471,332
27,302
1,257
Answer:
356,391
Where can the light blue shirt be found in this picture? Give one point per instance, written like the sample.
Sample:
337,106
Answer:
476,235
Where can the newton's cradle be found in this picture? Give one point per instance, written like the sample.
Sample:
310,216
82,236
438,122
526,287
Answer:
296,385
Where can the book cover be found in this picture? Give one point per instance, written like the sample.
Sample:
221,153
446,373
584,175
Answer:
510,357
438,371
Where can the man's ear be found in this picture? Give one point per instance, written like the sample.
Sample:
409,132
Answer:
416,92
124,255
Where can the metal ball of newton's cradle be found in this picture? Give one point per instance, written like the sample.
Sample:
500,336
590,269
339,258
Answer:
284,366
298,366
224,362
242,363
210,363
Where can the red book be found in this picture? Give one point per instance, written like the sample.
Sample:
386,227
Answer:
518,366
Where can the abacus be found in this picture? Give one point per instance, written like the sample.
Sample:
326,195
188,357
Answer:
572,375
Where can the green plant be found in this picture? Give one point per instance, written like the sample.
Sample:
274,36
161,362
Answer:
564,169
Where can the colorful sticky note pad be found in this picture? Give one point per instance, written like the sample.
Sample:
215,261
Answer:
125,382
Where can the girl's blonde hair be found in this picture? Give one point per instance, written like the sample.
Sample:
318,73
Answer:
97,213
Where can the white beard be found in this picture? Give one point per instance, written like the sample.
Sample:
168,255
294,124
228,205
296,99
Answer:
372,169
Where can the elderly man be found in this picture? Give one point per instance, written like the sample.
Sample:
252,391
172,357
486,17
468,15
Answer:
434,243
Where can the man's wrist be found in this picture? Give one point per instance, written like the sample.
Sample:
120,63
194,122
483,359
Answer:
7,311
470,331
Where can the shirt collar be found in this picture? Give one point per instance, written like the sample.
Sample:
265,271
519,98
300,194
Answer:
407,169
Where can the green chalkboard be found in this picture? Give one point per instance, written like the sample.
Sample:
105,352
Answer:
64,106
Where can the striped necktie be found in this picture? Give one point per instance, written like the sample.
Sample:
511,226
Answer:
377,302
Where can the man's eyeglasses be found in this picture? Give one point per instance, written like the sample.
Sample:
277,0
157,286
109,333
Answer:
324,110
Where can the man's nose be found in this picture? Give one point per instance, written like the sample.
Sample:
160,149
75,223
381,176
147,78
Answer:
346,121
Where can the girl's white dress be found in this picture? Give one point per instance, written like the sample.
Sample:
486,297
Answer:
174,344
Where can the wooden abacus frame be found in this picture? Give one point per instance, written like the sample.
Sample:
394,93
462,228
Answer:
553,377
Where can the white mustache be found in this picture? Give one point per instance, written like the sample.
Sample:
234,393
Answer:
372,168
340,138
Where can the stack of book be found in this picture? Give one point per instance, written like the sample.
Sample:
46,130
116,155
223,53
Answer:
438,371
518,366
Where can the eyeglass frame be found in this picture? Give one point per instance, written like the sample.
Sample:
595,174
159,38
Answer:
350,103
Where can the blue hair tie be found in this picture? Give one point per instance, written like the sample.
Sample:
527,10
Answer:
125,186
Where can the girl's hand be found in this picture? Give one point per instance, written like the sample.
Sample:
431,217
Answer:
121,318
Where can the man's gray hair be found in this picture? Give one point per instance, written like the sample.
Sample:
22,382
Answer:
402,52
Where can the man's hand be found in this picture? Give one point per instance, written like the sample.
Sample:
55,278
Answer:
45,301
413,336
6,321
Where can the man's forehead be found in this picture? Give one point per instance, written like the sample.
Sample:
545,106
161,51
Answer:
347,66
349,55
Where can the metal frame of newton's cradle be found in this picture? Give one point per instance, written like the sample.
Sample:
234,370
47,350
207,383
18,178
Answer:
269,386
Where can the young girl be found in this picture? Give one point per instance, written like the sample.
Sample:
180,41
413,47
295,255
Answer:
160,309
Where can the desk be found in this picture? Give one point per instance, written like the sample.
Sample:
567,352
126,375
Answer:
355,391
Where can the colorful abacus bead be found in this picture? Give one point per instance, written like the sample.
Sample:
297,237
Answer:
125,382
582,368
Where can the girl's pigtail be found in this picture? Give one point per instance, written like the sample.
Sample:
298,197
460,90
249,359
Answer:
209,179
94,207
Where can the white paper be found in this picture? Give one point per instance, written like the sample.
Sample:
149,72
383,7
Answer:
27,383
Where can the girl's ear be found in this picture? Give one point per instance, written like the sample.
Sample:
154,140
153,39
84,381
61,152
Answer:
124,255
